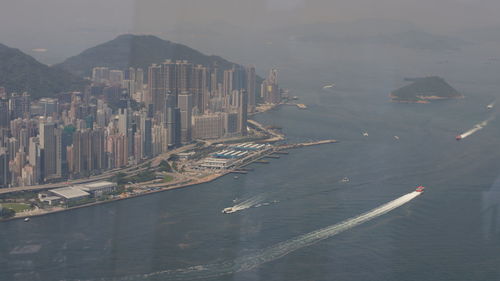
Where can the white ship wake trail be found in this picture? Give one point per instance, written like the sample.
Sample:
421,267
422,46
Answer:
476,128
274,252
248,203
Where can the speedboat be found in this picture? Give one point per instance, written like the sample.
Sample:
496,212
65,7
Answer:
345,179
458,137
396,137
228,210
365,134
420,189
26,219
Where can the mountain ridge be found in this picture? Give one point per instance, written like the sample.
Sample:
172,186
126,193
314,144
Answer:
138,51
20,72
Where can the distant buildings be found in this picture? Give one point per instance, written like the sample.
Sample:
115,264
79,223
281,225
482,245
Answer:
124,117
270,91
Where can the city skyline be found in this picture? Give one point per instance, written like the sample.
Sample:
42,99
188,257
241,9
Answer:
124,117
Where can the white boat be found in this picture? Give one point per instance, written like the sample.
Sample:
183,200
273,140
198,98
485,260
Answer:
228,210
26,219
396,137
365,134
489,106
345,179
329,86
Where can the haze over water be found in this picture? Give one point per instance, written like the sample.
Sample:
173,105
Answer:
450,232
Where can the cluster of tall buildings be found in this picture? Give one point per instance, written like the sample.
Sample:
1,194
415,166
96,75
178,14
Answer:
123,118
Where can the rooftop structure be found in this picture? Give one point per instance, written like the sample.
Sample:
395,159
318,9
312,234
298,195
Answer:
69,193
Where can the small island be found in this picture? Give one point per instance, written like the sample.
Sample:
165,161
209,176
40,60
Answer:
425,89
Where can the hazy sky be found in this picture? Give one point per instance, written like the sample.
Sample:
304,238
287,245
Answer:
66,25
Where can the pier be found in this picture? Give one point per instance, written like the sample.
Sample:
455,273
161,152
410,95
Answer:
272,156
239,172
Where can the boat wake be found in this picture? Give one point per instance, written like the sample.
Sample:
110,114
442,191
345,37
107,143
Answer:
274,252
476,128
249,203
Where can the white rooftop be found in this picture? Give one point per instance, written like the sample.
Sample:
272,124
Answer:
96,185
69,192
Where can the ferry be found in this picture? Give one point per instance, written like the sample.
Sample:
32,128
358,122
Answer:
458,137
228,210
420,189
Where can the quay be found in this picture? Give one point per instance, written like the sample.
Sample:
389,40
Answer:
272,156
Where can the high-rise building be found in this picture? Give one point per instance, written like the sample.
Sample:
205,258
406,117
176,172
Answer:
4,168
230,123
3,93
115,77
200,88
270,91
49,106
186,109
100,74
50,142
156,88
242,112
250,83
174,126
4,113
210,126
35,159
19,105
146,126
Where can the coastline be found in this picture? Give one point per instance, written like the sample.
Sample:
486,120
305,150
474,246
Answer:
181,183
422,99
172,186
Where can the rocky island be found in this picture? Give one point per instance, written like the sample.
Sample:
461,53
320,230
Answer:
425,89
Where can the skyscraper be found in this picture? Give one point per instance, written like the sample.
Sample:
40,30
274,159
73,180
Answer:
186,109
50,142
4,168
4,113
250,73
173,126
156,88
200,88
146,126
243,112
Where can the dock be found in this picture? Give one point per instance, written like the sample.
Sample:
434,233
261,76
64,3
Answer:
239,172
304,144
272,156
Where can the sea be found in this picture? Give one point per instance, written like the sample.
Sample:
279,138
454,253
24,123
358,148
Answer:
296,218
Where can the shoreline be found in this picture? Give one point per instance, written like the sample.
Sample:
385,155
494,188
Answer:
206,179
273,136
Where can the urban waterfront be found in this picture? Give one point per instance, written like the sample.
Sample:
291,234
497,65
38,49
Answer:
450,232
